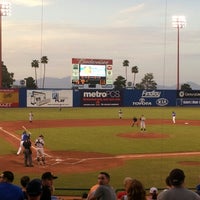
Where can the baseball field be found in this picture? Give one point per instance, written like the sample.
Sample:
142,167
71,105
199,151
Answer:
80,142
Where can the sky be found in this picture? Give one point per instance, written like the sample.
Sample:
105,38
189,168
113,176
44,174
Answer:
136,30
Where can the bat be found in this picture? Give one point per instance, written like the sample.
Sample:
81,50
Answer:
26,130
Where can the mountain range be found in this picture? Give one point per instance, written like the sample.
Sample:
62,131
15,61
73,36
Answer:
65,83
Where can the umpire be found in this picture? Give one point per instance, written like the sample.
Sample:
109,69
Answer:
27,152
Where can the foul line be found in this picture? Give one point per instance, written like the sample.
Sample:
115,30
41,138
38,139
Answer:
131,156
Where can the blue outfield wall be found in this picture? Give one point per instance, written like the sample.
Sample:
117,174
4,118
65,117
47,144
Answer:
22,97
148,98
97,98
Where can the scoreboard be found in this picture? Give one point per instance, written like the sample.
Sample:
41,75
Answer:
91,71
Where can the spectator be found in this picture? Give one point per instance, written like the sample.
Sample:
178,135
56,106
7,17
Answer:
84,196
34,189
198,189
47,185
178,191
9,191
92,190
136,191
153,193
168,186
24,182
123,195
104,191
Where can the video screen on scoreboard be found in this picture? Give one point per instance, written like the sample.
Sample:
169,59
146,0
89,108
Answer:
92,70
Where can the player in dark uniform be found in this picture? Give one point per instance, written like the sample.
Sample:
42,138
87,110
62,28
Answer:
135,121
27,153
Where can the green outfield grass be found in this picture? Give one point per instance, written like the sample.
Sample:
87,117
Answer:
14,114
104,139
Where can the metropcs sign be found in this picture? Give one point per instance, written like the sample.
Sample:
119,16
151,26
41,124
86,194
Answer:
105,94
101,98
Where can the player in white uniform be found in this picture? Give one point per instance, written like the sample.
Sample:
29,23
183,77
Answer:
30,116
39,143
173,117
120,114
142,123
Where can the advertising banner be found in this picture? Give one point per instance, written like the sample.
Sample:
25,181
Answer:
188,94
9,98
188,98
101,98
189,102
49,98
148,98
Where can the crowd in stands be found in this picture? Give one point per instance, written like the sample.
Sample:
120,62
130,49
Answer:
35,189
43,189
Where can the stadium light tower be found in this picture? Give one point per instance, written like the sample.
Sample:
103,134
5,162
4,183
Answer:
178,22
4,11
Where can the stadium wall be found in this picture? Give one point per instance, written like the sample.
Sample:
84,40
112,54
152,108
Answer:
21,97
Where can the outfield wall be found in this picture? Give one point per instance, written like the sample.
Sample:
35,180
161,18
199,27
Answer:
21,97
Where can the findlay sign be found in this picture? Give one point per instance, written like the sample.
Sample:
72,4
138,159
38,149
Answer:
148,98
100,98
151,98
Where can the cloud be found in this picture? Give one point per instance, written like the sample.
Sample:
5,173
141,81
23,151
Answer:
31,3
126,17
132,9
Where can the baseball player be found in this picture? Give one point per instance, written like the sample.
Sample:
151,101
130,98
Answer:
142,123
134,121
30,117
39,143
24,137
173,117
120,114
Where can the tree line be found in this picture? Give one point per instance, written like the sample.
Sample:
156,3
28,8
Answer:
147,82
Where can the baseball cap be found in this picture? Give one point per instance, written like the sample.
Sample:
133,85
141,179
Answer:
34,187
41,136
153,189
176,177
48,175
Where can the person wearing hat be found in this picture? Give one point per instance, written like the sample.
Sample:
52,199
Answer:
168,187
34,189
8,190
153,193
47,185
27,152
39,143
178,190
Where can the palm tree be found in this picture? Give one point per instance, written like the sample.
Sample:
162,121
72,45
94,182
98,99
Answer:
134,70
126,64
44,60
35,64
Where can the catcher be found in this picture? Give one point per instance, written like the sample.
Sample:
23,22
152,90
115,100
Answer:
39,143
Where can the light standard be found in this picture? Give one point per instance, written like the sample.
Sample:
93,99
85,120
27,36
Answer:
4,11
178,22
